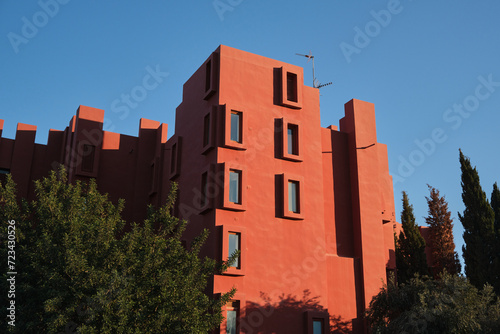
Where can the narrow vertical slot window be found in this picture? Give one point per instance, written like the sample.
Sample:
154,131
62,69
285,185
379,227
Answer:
293,196
208,75
234,245
293,140
291,87
234,131
236,126
206,130
234,186
233,310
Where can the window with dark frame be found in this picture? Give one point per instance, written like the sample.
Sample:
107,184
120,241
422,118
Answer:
293,196
234,245
291,87
235,186
236,126
317,326
206,130
233,310
293,139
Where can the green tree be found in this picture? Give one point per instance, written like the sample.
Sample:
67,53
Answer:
79,271
410,246
495,205
477,220
449,304
441,235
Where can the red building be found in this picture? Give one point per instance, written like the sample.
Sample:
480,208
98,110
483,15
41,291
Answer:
310,208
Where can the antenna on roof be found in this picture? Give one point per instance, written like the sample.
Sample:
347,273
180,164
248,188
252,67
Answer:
316,83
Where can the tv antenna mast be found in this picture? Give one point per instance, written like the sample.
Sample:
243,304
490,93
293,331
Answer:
316,83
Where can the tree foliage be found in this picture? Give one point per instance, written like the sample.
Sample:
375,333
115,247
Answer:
410,246
78,271
478,222
449,304
495,205
441,235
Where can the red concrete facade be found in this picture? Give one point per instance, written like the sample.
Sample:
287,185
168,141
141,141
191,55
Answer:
310,208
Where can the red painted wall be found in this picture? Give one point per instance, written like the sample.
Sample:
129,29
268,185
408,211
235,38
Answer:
324,262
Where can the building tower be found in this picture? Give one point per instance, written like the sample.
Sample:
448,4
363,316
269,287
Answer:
311,209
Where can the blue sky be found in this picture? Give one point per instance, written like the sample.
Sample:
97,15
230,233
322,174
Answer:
431,68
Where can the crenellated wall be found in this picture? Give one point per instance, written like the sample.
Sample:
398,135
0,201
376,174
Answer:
124,166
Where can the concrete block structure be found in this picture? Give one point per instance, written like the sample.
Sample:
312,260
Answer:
311,209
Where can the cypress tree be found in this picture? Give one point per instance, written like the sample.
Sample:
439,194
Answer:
477,220
441,235
410,246
495,204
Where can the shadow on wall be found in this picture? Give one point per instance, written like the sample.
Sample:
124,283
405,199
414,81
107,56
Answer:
289,313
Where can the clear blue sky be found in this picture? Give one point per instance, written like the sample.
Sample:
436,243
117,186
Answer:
431,68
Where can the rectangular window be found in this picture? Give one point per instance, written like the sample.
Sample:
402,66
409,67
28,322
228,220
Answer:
88,158
293,139
206,130
208,75
233,309
204,186
234,132
234,245
233,238
293,196
235,186
291,87
236,126
317,326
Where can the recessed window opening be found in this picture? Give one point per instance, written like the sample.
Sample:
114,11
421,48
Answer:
236,126
233,310
317,326
291,87
293,196
234,245
235,186
293,139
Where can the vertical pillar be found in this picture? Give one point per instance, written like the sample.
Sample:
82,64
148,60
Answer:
359,123
22,157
